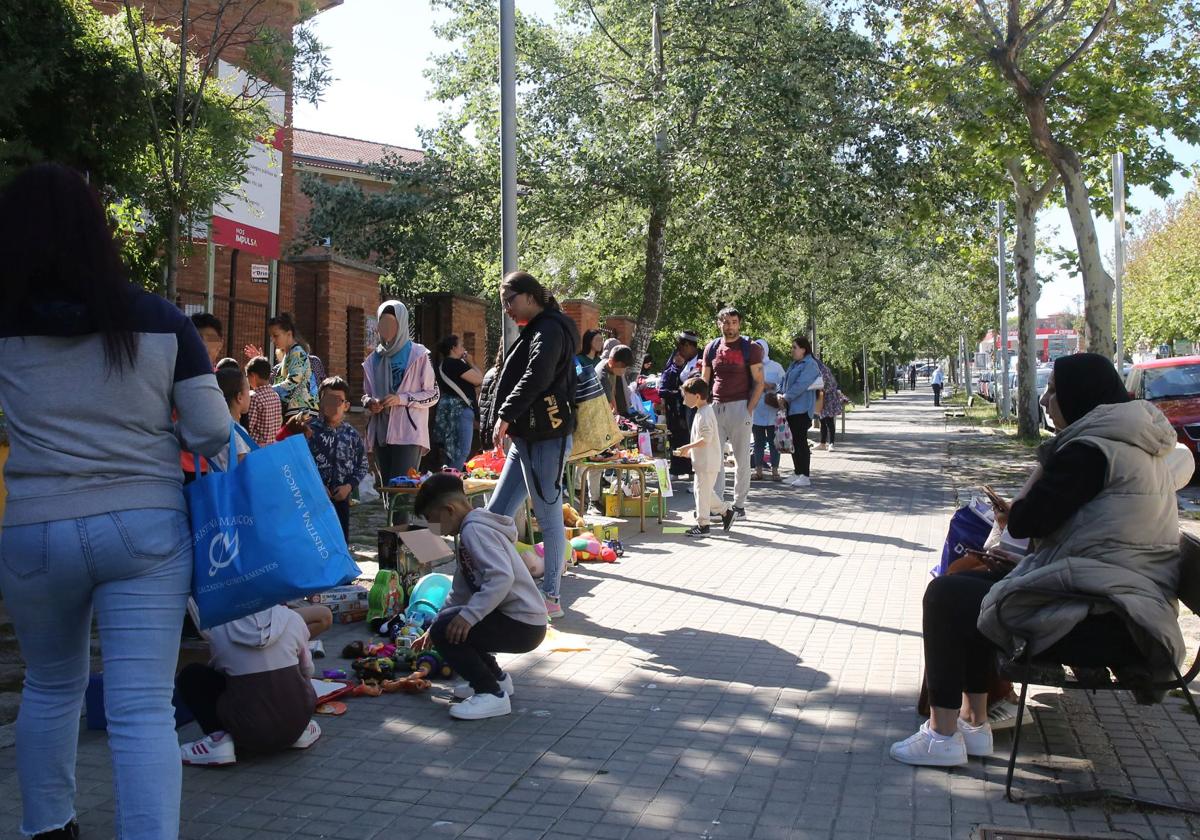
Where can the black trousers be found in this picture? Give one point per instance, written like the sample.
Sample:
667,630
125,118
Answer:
801,454
343,513
958,658
200,687
677,432
828,427
937,394
495,633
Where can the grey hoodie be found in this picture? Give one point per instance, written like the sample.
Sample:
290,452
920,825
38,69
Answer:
491,575
265,641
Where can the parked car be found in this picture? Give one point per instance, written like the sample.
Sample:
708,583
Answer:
1174,386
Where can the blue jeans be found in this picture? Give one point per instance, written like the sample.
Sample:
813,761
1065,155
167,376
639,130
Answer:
134,568
530,466
466,430
764,436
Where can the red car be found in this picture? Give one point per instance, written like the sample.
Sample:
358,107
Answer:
1174,386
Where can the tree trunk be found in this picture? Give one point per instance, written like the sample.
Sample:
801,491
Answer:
1098,285
172,257
652,280
1029,200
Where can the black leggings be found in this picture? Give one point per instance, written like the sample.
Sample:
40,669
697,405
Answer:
495,633
801,454
200,687
958,658
828,427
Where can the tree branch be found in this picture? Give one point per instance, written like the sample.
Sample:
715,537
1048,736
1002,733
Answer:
1048,85
986,13
160,152
603,29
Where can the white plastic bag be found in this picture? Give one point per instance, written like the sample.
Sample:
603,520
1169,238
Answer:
366,489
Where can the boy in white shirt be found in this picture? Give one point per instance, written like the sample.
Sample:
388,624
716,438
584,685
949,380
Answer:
705,452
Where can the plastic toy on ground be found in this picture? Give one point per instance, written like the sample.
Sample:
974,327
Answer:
428,597
386,596
430,663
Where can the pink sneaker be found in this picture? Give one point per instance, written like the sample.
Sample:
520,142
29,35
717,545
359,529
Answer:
553,607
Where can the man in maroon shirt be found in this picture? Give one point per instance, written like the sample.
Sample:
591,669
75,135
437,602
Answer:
733,366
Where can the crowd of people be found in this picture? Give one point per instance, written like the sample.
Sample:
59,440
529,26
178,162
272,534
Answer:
96,522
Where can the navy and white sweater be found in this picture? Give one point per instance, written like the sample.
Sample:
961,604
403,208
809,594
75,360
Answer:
86,439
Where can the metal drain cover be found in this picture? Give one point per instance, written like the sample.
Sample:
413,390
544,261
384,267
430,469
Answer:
994,832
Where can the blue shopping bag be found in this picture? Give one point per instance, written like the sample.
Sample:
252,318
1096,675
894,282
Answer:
969,529
263,532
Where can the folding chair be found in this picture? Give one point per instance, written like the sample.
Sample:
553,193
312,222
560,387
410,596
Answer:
1027,669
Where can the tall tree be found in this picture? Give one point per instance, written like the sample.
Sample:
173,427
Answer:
1090,77
183,132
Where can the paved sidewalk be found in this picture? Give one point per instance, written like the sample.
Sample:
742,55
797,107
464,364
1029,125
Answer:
747,686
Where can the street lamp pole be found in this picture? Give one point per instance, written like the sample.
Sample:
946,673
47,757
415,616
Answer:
1002,253
508,153
1118,177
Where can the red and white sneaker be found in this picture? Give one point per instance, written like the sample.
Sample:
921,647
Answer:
308,737
214,750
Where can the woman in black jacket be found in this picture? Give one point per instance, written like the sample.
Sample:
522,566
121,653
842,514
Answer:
535,407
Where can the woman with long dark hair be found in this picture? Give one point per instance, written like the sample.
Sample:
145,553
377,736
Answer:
536,396
95,523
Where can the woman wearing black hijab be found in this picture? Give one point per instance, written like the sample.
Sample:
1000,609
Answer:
1101,510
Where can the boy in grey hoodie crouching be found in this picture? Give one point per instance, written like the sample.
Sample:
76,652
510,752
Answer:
494,606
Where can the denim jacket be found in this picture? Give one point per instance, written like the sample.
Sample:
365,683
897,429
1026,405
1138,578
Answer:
801,400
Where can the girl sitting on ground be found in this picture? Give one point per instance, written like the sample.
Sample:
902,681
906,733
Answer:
255,693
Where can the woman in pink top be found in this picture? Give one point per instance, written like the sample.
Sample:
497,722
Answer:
400,388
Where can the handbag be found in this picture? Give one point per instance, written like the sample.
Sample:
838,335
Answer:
595,428
783,434
263,532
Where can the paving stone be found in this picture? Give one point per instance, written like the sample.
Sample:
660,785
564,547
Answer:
745,686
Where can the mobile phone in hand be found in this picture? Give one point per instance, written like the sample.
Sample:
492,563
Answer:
997,502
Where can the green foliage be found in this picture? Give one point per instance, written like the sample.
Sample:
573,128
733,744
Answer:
1162,283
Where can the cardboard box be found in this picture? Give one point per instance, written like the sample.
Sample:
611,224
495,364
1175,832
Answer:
350,616
339,607
631,506
610,532
340,594
412,552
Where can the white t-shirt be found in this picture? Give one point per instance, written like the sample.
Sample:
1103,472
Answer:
221,461
706,458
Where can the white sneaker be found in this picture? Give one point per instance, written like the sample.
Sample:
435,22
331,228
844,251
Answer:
800,481
480,706
829,448
214,750
977,739
308,737
928,749
463,690
1003,715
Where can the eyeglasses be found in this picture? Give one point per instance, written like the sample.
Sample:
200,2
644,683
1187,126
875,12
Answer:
508,299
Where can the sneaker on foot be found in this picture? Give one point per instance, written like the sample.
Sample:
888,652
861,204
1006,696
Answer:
926,748
480,706
727,520
463,690
800,481
553,607
977,739
697,531
213,750
741,512
308,737
829,448
1003,715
